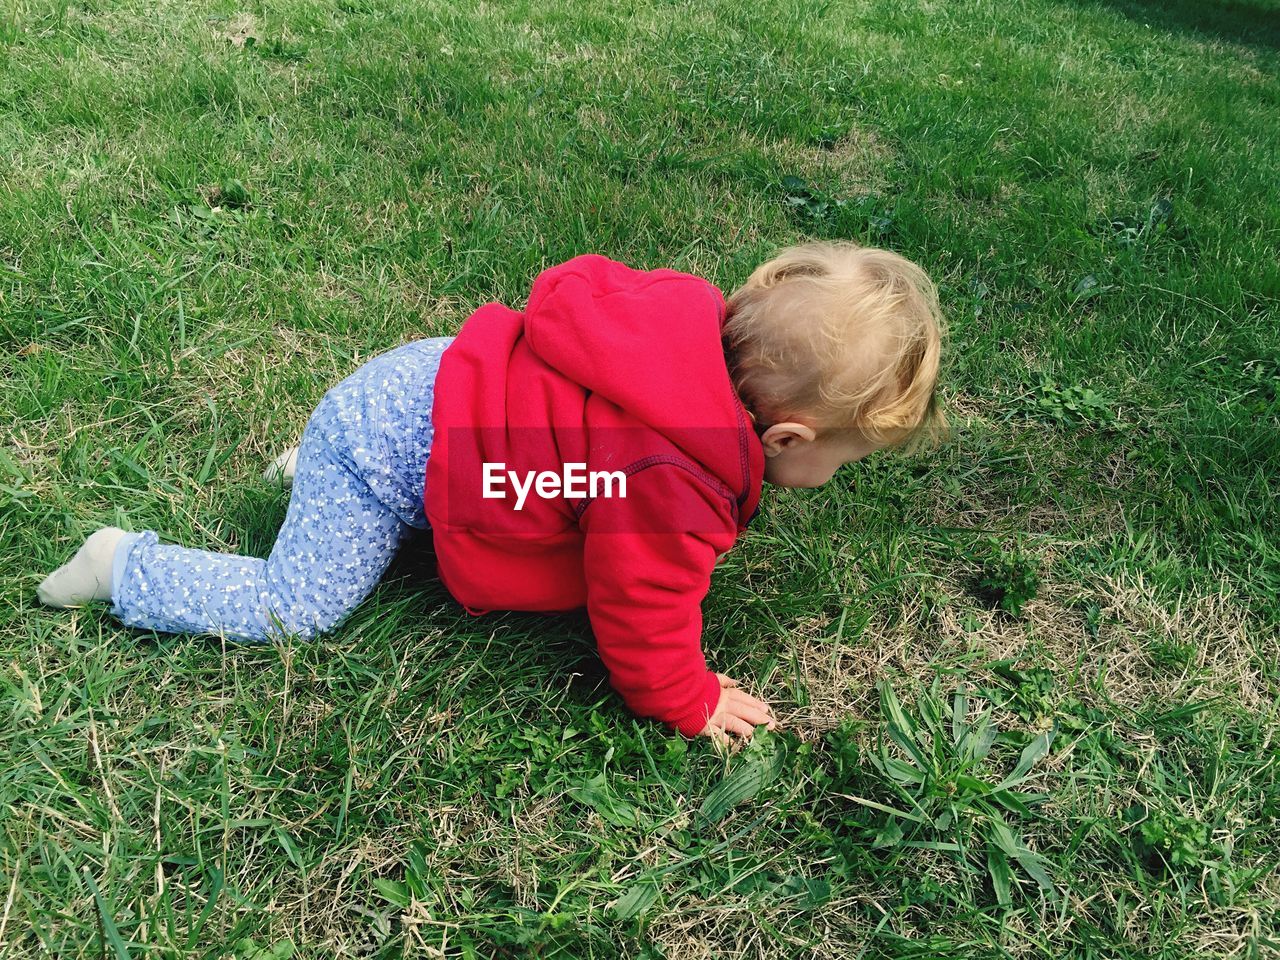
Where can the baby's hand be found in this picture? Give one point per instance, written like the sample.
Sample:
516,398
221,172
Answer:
737,712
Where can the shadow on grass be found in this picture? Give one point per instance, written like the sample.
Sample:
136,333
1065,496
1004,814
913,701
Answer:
563,640
1251,23
556,646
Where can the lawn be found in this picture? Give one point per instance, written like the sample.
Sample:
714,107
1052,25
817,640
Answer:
1029,681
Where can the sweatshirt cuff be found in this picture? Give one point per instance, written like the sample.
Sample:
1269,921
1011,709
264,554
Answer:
690,724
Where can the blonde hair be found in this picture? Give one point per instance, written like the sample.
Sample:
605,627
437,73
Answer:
848,334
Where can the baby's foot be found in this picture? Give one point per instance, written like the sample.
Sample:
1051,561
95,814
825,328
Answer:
86,576
281,471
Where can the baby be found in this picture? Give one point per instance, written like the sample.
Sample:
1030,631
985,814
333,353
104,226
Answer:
601,448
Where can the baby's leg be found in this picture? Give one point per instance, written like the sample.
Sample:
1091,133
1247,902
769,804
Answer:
357,493
336,542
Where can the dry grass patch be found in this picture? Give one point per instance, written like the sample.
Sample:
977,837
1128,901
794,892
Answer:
858,162
1210,648
239,30
700,929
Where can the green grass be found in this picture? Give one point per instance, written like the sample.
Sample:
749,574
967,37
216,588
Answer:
210,213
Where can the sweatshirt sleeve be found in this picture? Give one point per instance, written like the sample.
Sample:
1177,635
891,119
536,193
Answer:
648,559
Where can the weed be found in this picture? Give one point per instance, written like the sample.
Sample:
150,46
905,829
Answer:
1172,839
834,215
1007,577
932,775
1073,405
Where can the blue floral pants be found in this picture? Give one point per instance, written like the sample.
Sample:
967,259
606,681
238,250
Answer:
357,493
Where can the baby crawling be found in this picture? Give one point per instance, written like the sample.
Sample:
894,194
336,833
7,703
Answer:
680,403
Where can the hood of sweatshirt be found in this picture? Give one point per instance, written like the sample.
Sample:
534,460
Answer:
649,342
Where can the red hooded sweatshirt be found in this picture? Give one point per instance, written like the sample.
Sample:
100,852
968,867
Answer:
621,371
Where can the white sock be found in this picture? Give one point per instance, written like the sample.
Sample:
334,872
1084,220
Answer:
282,468
86,576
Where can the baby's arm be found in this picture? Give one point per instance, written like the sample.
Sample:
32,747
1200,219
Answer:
648,559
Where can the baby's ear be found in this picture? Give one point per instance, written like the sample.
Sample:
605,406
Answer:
782,435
